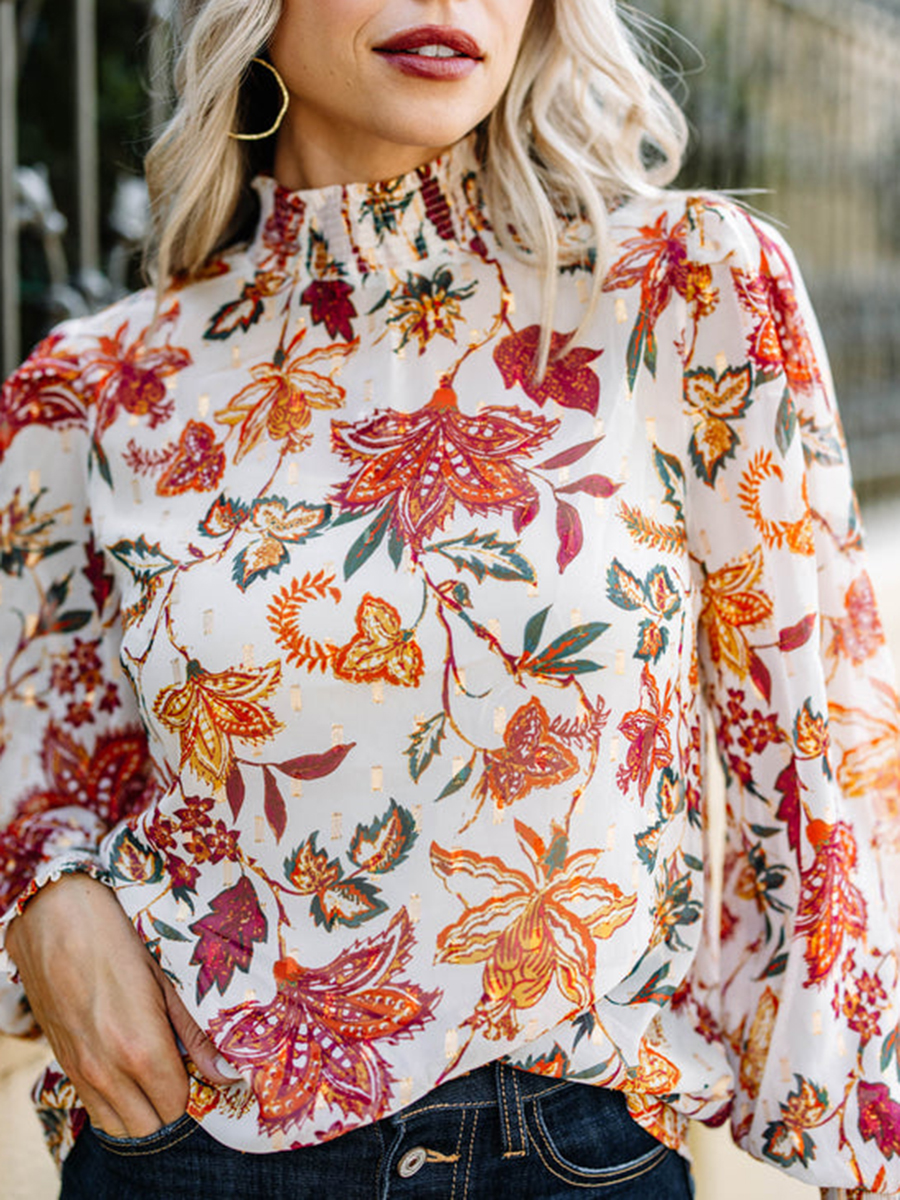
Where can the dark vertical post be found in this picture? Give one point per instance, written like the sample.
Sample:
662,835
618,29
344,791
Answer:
86,139
9,246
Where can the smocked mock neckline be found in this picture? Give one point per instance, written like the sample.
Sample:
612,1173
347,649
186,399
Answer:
385,223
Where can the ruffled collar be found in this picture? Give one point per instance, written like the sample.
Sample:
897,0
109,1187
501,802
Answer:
374,225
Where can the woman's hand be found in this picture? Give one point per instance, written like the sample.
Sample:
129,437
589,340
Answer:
106,1007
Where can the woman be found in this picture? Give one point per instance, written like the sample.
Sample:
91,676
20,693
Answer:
452,475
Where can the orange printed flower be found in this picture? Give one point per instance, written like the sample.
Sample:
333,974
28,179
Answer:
428,461
531,931
211,708
280,400
755,1050
870,744
780,339
530,758
645,728
381,649
733,602
831,908
796,535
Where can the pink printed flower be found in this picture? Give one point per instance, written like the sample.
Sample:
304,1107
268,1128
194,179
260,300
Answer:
318,1040
879,1117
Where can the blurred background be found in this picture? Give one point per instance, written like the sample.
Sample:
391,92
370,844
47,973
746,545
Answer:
797,100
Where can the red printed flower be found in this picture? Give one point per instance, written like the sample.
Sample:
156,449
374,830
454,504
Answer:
225,936
129,374
780,339
427,461
530,758
330,304
569,380
317,1041
198,464
42,392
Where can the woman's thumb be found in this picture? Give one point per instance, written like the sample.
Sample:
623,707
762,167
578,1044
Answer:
201,1050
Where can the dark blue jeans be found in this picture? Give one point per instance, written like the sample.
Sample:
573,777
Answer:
492,1134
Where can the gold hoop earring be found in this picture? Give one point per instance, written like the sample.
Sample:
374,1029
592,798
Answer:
285,101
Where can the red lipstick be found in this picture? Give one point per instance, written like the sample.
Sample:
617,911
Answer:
436,52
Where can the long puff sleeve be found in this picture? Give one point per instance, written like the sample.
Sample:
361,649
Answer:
73,756
798,682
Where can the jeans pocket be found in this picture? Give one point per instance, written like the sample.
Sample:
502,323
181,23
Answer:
153,1143
585,1135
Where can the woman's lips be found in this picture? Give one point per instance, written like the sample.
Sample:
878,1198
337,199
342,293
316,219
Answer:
432,52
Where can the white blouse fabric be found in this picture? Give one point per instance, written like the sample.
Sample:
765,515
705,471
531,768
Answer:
375,675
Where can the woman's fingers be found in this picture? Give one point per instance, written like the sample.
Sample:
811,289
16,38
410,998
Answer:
201,1050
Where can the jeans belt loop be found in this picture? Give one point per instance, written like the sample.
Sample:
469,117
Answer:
512,1112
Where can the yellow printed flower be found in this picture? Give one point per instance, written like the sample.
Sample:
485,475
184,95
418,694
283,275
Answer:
531,932
381,649
212,708
732,602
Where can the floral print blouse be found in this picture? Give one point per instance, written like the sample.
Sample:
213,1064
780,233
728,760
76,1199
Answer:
377,675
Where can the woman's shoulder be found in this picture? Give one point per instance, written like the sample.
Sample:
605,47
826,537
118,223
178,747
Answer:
702,227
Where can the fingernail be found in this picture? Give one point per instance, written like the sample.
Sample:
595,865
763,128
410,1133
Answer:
224,1067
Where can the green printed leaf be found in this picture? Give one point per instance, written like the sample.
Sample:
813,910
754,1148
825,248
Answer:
694,863
671,476
167,931
786,422
395,548
145,562
132,862
654,991
623,588
890,1051
534,630
563,667
98,455
555,659
483,554
459,780
636,344
764,831
349,902
383,845
71,622
367,542
424,744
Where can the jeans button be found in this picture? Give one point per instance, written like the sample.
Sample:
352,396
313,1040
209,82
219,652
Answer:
412,1162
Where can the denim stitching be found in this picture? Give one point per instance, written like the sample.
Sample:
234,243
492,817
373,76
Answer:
141,1151
471,1148
462,1126
603,1177
520,1122
470,1104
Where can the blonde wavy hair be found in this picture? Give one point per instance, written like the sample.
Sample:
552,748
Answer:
582,122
